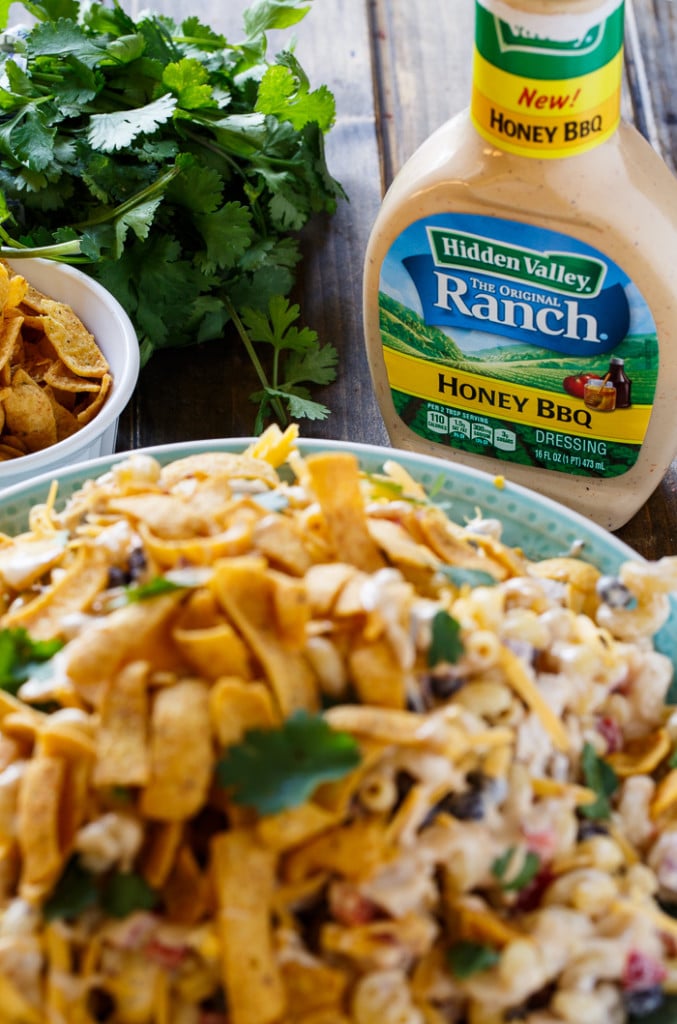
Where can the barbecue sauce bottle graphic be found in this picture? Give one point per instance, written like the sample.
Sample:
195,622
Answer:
622,383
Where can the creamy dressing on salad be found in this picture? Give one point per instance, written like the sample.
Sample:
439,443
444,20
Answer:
546,245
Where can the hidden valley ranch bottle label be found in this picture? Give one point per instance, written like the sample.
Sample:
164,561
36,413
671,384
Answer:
517,342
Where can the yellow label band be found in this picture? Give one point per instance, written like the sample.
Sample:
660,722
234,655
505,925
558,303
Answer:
556,98
501,400
545,136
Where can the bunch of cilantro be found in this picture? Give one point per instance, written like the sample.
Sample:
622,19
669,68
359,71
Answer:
178,168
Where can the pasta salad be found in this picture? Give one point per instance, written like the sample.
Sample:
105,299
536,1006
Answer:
283,743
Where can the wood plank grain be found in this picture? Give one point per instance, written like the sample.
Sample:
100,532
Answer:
651,66
423,63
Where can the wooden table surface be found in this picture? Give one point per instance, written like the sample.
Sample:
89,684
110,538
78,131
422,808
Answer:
397,70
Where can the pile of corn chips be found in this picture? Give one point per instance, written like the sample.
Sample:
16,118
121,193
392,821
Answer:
54,378
282,743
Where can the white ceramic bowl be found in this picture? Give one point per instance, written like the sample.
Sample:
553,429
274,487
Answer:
108,322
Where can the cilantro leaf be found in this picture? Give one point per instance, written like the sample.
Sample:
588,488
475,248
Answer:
54,9
600,777
287,207
530,867
227,233
385,486
282,94
460,576
202,34
153,588
313,363
297,357
74,892
33,141
300,404
139,219
117,893
199,189
125,892
119,129
20,655
446,644
264,15
62,36
125,49
467,958
274,769
273,326
189,81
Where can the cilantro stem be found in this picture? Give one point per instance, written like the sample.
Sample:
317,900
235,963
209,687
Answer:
158,185
260,372
15,250
205,44
211,146
276,366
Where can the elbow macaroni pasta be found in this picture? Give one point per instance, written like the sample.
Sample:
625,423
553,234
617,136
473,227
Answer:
467,871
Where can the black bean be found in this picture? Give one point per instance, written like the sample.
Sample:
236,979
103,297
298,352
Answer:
467,806
405,782
311,919
137,563
136,566
587,829
216,1003
538,1001
640,1002
494,790
117,577
444,684
613,592
478,780
201,829
100,1004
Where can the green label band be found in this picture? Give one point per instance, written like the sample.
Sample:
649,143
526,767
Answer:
518,48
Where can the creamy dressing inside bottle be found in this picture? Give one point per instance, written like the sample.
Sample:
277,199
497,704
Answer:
528,249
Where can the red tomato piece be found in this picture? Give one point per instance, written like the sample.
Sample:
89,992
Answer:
642,971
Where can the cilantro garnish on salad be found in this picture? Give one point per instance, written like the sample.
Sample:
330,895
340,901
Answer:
446,645
510,881
118,893
21,657
177,167
466,958
275,769
602,779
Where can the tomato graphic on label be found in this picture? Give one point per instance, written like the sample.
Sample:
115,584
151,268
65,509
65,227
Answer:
575,385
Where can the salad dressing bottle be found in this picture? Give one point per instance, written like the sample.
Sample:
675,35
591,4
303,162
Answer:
529,245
